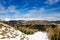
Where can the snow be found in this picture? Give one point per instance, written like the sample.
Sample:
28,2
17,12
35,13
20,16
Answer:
12,34
3,28
38,36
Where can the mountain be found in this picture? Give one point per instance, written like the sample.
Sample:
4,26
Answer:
58,22
9,33
29,21
19,30
32,22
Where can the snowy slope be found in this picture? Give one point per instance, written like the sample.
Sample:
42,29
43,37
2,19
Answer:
9,33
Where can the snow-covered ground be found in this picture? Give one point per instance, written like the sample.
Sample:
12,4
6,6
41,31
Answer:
38,36
9,33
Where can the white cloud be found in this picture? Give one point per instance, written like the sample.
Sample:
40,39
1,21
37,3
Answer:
6,19
6,12
52,1
53,16
41,15
31,13
55,8
27,19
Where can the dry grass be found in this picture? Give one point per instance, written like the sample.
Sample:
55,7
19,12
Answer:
1,26
27,30
54,33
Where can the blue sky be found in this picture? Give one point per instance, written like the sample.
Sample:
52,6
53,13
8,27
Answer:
39,9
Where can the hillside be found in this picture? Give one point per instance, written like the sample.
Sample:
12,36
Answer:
9,33
36,22
33,26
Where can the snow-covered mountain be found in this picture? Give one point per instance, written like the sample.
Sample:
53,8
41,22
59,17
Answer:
9,33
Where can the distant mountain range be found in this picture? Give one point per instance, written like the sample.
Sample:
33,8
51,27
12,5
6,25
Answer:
58,22
33,22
